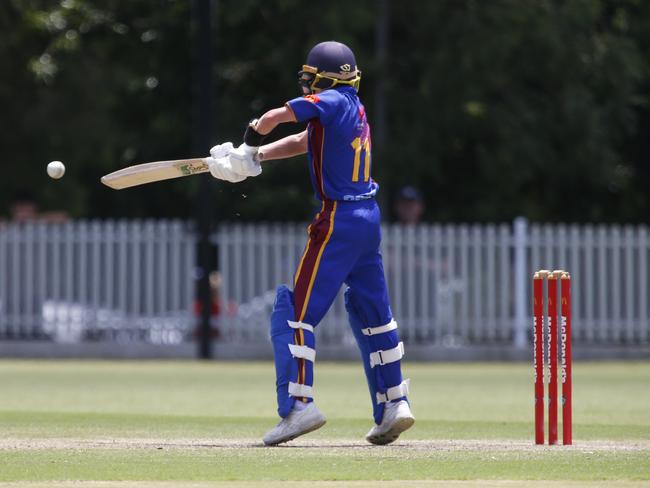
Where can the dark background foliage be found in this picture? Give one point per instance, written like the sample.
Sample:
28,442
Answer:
493,109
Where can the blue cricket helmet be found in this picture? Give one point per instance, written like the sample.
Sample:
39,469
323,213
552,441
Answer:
329,64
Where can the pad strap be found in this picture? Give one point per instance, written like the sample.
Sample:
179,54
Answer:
301,325
303,352
298,390
379,358
394,392
392,325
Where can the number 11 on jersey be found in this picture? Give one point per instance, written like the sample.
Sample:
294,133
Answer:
358,148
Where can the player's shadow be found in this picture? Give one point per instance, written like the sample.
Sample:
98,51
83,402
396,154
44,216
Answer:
316,446
259,445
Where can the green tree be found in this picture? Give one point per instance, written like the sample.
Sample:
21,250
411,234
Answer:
495,109
519,107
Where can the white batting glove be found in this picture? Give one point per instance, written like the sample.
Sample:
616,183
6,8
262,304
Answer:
222,170
243,160
221,150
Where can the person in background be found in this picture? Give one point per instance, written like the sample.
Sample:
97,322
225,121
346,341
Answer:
409,205
215,308
23,211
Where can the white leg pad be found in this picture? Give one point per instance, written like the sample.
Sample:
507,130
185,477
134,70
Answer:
394,392
301,325
392,325
298,390
302,352
379,358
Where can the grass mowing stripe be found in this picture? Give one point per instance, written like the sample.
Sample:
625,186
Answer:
318,464
334,484
185,400
91,425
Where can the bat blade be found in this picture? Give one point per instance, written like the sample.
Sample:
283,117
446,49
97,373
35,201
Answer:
141,174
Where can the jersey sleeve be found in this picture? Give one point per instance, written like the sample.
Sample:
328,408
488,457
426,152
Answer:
322,106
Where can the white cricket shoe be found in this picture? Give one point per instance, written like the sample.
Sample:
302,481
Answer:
397,419
297,423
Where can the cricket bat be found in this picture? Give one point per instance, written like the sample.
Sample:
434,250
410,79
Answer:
141,174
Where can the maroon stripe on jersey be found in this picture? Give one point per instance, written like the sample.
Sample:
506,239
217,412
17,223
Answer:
318,237
317,139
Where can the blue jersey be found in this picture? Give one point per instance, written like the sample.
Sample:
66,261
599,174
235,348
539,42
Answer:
339,144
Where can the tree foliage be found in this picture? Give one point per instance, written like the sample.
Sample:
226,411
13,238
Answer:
495,109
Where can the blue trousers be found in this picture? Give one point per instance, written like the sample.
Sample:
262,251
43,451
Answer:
343,248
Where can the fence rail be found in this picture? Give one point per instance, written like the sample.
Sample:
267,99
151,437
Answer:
449,284
96,280
458,284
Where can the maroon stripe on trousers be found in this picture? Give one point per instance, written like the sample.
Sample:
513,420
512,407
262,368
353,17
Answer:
317,239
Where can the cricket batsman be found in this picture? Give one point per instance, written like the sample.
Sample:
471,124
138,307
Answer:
342,248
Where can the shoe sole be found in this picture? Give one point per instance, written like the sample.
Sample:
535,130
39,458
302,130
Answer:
312,428
391,435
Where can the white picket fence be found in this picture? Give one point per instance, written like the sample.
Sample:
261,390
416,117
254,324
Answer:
457,284
121,281
134,281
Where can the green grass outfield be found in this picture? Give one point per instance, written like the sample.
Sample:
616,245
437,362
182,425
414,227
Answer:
164,424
